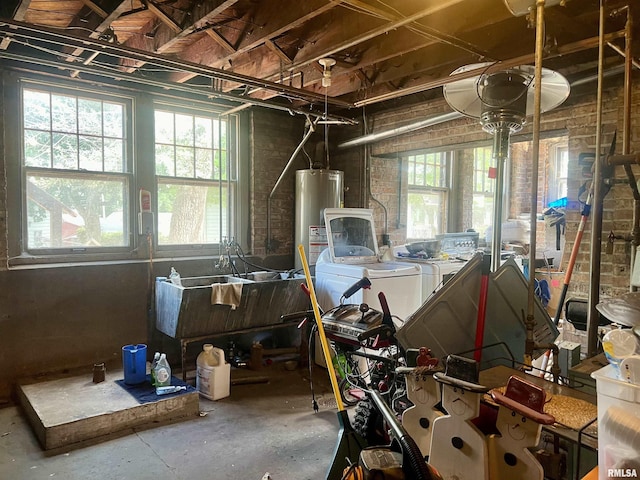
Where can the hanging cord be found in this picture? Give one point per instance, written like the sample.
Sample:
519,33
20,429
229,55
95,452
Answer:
326,129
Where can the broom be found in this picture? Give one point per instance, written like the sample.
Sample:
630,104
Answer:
350,444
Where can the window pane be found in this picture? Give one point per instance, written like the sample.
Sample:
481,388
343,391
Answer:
165,160
37,112
204,163
191,214
90,116
185,162
204,132
184,130
164,127
63,113
90,153
425,214
482,213
67,212
65,151
37,149
114,124
419,180
223,165
114,155
217,125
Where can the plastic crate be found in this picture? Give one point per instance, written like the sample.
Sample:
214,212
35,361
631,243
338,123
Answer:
618,426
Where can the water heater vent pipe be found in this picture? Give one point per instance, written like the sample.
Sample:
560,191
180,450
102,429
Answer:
312,129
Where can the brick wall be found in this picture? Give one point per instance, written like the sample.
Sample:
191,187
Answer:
274,137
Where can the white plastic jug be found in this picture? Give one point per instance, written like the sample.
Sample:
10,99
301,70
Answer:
213,374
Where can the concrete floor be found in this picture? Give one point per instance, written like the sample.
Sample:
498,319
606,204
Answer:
268,427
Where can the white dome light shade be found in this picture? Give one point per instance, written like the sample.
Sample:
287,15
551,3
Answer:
471,97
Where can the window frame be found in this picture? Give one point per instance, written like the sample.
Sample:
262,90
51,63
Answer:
557,180
234,209
443,190
19,253
140,148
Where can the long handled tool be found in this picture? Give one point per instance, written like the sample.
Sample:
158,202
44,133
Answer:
574,254
350,444
482,308
586,210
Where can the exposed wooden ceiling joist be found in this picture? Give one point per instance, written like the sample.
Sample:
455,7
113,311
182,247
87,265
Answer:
384,49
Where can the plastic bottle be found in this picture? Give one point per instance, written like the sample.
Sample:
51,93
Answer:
163,372
212,373
174,276
156,357
169,389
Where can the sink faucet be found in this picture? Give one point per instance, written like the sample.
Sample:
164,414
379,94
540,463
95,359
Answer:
223,261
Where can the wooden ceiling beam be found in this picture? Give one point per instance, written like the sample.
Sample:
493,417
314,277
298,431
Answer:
119,9
395,46
220,40
206,12
163,17
416,27
397,43
273,20
278,51
95,8
21,11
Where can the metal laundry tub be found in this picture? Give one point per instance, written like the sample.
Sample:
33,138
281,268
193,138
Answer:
187,311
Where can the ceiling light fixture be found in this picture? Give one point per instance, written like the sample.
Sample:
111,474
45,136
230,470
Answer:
327,64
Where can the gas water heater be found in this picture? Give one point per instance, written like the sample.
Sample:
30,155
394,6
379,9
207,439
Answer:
316,189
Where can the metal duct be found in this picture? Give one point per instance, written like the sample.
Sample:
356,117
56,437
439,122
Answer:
374,137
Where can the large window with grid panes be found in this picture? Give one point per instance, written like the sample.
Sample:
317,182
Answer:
77,166
83,163
196,176
428,192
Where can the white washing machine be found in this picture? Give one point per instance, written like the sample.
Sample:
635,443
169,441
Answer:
353,254
435,272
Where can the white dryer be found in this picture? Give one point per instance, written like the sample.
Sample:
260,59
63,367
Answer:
353,254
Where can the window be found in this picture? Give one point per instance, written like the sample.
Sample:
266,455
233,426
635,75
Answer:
483,189
77,171
196,177
428,189
558,184
75,186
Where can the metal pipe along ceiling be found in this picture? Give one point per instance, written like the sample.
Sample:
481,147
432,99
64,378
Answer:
374,137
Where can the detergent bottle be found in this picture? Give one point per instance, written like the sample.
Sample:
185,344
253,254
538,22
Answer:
213,374
163,372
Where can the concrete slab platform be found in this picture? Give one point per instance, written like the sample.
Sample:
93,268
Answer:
72,410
